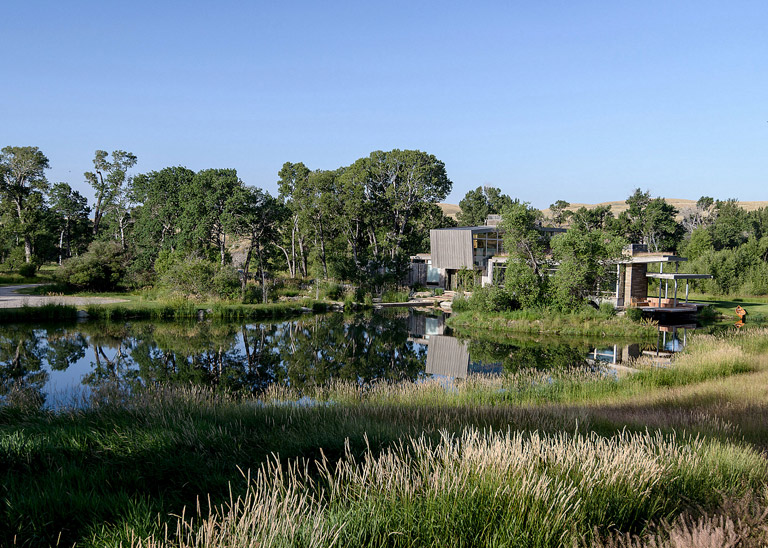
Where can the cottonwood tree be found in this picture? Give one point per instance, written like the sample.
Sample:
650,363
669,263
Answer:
650,221
559,212
479,203
161,195
111,184
23,185
522,239
255,216
292,176
586,264
400,181
205,211
71,210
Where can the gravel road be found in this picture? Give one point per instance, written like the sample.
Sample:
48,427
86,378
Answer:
9,298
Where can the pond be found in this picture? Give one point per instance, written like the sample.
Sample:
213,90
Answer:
61,362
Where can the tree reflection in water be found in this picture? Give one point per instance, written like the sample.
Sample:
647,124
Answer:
249,357
233,357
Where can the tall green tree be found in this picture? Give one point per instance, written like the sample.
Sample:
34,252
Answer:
294,240
205,213
479,203
23,185
71,211
731,226
650,221
110,182
161,196
559,212
586,264
522,239
400,181
255,216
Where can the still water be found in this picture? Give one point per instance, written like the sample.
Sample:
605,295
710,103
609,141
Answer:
63,361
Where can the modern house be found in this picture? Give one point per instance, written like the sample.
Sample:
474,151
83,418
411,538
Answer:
468,248
480,249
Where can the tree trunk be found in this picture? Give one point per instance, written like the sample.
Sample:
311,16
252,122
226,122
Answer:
61,245
28,248
246,268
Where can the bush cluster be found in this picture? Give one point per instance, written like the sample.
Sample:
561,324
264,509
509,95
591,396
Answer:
101,268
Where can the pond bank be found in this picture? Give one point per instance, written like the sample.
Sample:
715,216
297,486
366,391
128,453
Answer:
586,323
11,298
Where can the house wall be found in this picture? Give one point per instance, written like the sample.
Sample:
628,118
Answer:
451,249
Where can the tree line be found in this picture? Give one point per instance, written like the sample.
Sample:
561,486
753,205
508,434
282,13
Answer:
717,236
207,231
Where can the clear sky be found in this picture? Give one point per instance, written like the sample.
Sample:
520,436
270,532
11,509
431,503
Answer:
574,100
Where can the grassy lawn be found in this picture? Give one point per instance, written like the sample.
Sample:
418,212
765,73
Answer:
525,460
726,306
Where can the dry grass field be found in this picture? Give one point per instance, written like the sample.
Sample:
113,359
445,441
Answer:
451,210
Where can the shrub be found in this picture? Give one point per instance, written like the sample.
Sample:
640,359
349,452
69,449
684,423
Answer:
634,314
101,268
523,285
198,277
331,290
607,308
28,270
395,296
226,283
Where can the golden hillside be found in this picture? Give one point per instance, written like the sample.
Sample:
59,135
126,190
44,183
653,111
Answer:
618,206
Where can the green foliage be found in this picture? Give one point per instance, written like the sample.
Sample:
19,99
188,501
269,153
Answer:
607,308
395,296
491,298
522,241
634,314
479,203
331,290
28,270
198,277
585,265
467,279
525,288
650,221
101,268
46,312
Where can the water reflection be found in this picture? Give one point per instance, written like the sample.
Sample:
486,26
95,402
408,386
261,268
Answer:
396,345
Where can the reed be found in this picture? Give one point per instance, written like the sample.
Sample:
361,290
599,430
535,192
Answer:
591,323
477,488
47,312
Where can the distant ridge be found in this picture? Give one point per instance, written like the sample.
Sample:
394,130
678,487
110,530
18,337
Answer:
451,210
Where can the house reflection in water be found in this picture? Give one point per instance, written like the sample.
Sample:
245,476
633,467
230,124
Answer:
670,339
446,356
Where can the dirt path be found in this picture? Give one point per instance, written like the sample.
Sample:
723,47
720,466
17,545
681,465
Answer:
9,298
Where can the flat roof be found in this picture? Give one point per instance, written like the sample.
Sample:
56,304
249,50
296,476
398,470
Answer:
478,229
643,258
497,228
676,276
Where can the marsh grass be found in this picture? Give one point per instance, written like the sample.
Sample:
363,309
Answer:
184,309
477,488
587,322
47,312
535,460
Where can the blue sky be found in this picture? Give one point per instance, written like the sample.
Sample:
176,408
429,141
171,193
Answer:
582,101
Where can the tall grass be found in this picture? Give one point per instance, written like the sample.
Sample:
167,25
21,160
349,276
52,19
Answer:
45,312
586,322
478,488
185,309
